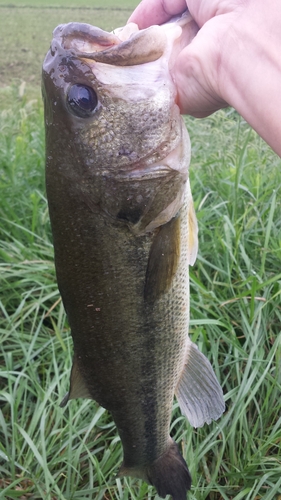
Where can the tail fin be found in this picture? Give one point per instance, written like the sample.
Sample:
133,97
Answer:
169,474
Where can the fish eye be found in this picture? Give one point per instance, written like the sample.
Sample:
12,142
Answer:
82,100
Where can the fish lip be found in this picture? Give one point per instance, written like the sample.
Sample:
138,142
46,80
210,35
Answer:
67,34
63,42
93,43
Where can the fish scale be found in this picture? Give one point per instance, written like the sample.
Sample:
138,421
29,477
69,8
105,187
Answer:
125,233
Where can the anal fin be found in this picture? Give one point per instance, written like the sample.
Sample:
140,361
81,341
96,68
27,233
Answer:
78,387
199,393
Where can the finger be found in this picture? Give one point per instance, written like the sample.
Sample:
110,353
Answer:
196,76
150,12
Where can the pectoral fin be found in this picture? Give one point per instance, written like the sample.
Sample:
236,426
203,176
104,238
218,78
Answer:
78,387
199,393
163,260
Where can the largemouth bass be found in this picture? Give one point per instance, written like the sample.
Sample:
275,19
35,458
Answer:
125,233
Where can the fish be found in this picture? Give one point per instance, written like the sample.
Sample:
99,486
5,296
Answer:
124,234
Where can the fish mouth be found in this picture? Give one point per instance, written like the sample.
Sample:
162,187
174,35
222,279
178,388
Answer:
128,46
116,66
84,37
140,165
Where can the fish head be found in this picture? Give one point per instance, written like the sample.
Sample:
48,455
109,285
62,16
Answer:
113,127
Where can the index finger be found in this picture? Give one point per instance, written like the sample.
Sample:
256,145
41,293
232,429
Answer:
150,12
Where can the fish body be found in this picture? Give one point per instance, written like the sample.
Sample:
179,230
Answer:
125,233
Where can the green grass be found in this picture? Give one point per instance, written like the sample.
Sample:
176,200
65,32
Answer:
54,454
26,32
48,453
75,4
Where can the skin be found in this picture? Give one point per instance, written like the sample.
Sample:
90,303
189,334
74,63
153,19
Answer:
234,59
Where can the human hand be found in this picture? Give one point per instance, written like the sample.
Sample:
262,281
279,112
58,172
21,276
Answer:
233,60
196,70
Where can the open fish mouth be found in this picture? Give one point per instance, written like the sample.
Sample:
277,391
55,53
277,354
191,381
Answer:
125,47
